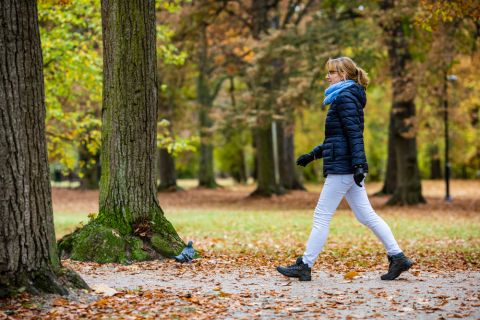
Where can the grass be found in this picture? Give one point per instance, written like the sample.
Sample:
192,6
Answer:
283,234
226,222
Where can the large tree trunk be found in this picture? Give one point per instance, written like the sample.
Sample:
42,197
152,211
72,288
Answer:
28,252
206,174
408,188
130,225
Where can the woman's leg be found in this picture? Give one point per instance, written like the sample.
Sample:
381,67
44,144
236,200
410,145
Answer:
332,193
358,200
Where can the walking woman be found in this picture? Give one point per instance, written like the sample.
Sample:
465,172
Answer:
344,166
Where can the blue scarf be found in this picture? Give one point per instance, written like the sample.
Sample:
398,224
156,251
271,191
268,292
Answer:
334,90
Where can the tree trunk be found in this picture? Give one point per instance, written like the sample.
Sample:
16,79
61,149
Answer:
266,182
265,165
238,169
28,252
206,174
435,164
130,225
288,174
166,161
408,188
390,182
168,176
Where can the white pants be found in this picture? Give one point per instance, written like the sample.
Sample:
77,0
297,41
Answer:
335,188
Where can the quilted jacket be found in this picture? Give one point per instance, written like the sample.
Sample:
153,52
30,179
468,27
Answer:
343,147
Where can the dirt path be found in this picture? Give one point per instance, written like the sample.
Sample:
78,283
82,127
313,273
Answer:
248,292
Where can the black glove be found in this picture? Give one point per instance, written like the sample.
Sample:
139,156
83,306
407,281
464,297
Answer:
358,174
305,159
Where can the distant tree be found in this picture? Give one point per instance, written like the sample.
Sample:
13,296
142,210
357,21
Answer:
396,25
28,251
274,131
130,224
71,41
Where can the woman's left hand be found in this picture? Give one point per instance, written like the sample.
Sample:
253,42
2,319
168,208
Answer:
358,175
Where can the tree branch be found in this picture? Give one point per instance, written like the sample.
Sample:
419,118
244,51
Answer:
304,11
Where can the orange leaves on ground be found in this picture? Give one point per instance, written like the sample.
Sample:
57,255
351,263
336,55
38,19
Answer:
350,275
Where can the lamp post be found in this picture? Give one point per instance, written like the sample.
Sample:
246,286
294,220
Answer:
452,78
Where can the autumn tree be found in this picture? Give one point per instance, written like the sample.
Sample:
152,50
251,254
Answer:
274,132
170,81
450,36
71,41
130,224
402,153
28,251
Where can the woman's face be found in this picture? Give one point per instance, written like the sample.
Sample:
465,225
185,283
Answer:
333,76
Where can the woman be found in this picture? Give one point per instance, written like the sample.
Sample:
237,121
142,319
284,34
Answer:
345,166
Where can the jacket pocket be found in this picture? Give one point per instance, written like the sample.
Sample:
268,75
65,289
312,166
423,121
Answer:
328,152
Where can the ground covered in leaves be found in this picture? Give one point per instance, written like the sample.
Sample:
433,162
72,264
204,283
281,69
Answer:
242,239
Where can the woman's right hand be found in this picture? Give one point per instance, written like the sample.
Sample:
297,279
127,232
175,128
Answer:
305,159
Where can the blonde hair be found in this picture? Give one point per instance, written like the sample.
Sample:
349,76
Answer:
348,70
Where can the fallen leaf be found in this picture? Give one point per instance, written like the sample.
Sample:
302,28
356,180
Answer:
350,275
104,289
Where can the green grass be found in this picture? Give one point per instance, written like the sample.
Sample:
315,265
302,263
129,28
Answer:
284,233
216,222
65,223
253,224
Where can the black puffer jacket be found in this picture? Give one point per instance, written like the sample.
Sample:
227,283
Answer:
343,146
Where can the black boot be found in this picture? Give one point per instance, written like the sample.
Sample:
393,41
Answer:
398,264
298,270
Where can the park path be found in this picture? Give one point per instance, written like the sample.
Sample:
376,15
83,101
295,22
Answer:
262,293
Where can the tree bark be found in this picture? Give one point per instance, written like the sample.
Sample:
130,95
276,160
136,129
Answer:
130,224
408,188
28,252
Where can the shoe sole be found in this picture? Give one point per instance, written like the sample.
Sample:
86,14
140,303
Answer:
406,268
301,278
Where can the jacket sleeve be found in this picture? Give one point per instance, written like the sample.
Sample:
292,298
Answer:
317,151
352,127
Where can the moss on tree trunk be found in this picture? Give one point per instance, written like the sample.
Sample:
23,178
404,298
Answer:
130,224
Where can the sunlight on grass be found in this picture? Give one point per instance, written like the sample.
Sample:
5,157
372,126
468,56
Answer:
65,223
278,224
284,233
217,222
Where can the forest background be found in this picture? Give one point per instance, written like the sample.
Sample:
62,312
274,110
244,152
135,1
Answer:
215,84
211,89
